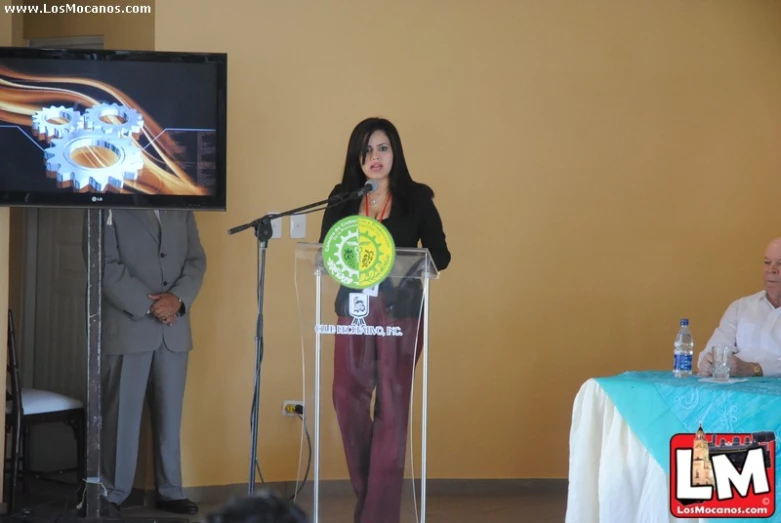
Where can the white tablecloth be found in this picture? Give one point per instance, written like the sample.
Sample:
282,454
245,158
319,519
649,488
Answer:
612,477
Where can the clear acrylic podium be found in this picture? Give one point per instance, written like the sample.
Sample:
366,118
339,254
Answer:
366,390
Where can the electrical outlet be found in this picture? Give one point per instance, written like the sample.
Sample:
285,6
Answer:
298,226
291,405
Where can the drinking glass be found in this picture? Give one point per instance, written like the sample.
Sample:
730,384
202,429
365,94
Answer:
721,357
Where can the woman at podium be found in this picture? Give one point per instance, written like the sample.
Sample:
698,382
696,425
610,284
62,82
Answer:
375,450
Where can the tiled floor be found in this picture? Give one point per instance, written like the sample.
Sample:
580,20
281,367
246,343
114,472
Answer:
47,502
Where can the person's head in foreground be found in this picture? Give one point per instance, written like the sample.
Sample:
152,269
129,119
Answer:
263,507
747,328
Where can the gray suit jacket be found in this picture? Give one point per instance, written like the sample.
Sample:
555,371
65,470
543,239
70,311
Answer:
140,260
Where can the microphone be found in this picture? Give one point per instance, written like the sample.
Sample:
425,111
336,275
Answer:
370,186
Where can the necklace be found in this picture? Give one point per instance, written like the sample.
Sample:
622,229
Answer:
375,201
381,216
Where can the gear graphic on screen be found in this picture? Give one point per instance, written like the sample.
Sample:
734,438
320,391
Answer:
44,125
94,119
125,163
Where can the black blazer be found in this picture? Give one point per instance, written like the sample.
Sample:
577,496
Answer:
412,224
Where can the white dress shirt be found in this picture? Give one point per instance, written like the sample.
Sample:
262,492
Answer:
753,325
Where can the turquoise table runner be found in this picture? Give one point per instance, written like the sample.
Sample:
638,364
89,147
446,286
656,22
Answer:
657,405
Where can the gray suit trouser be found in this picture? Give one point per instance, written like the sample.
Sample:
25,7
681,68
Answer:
126,380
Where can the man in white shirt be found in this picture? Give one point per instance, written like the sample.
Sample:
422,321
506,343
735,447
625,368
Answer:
753,326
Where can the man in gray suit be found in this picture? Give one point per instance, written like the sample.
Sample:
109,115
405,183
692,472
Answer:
154,267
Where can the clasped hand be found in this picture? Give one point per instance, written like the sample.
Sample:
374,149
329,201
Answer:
165,307
737,367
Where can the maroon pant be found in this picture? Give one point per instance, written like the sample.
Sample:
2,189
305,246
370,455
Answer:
376,450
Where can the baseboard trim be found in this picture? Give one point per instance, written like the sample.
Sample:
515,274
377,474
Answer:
215,495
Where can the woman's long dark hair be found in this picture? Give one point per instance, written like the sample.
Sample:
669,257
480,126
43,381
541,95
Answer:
400,181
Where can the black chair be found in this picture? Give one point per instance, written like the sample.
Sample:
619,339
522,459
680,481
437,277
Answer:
28,407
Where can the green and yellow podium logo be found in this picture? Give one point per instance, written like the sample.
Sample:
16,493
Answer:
358,252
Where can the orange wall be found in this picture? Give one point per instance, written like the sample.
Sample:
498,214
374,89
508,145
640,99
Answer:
617,161
601,171
132,31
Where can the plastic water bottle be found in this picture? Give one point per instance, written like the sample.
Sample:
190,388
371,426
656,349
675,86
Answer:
684,351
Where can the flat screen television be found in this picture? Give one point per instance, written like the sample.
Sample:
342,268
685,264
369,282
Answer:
112,129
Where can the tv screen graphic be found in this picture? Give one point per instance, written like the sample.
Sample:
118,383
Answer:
114,129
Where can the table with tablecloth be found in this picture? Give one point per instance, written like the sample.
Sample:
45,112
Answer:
620,439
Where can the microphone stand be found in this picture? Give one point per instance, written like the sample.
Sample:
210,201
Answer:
263,233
